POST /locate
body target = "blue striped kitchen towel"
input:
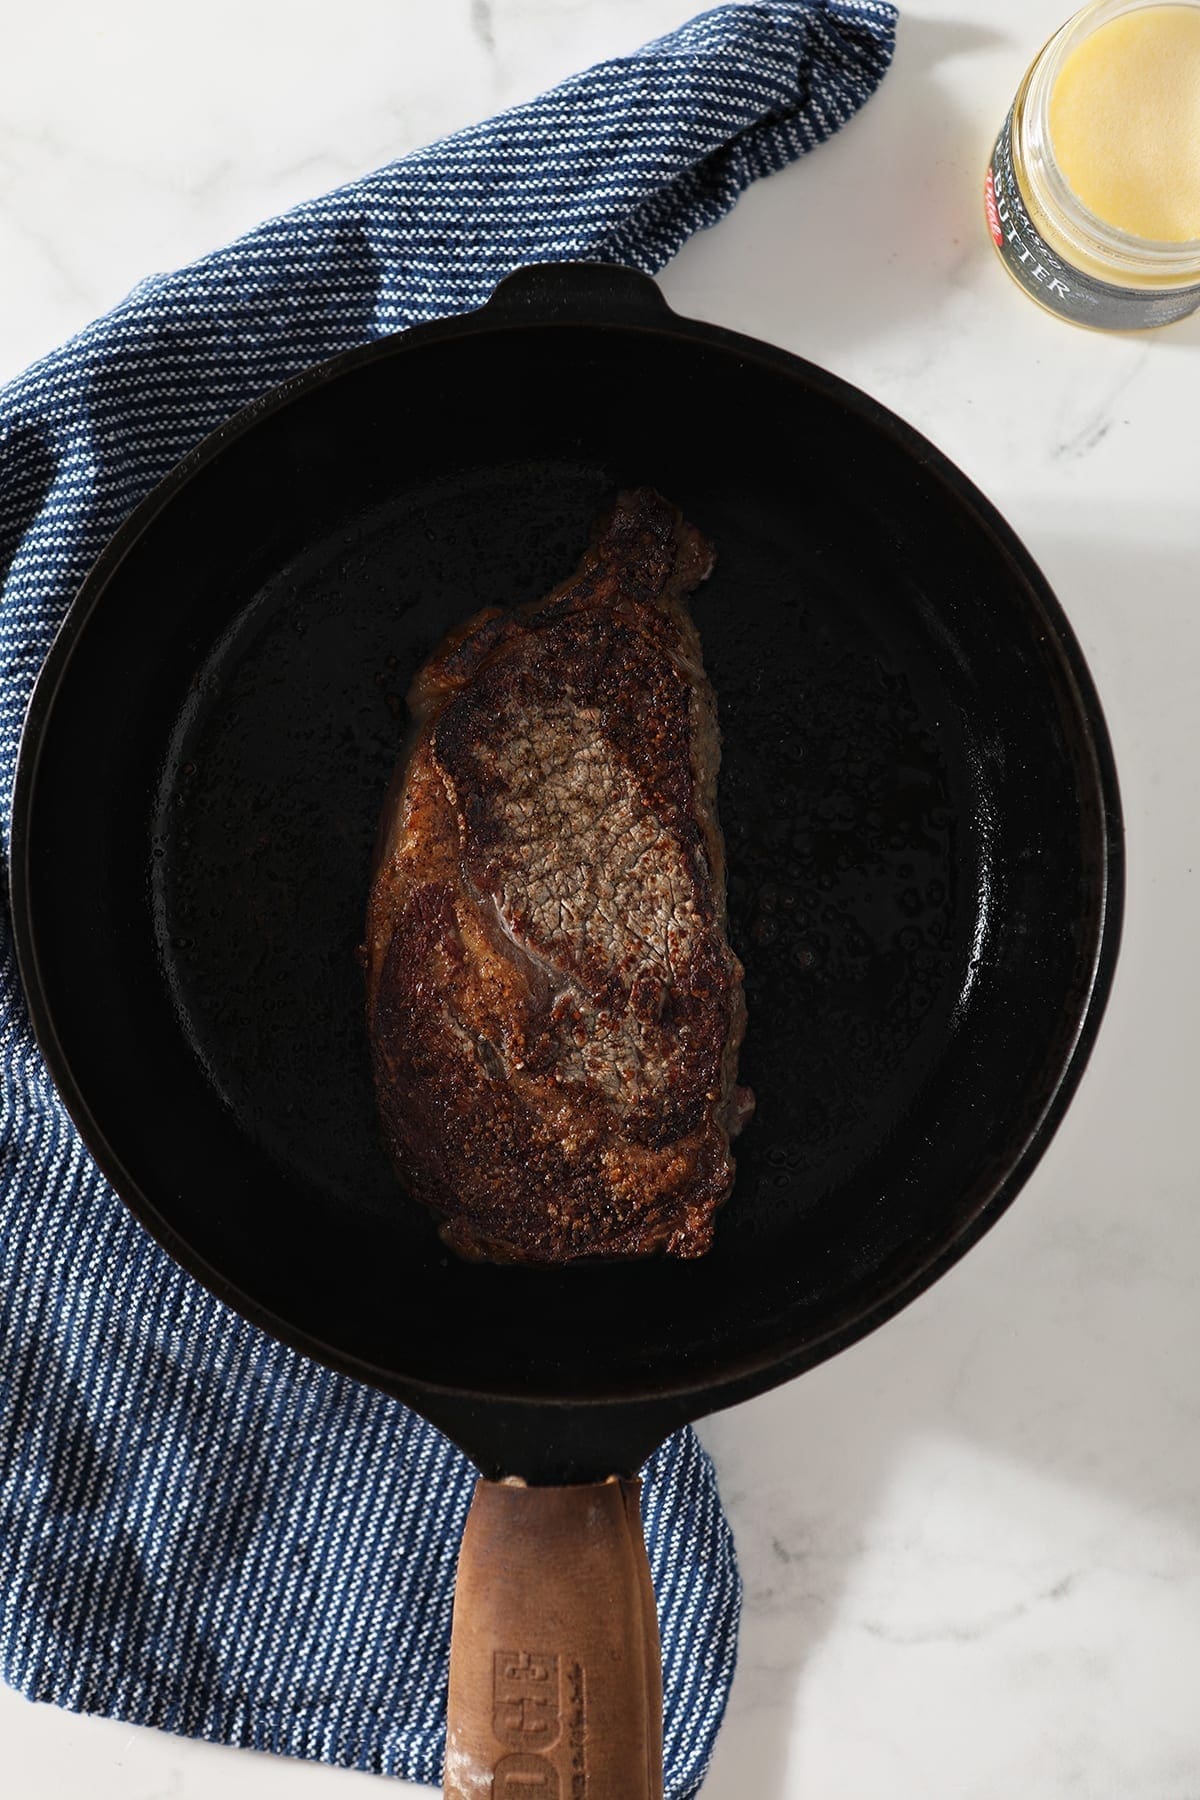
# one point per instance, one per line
(199, 1529)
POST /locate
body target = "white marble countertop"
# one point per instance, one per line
(972, 1543)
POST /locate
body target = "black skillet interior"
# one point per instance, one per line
(916, 793)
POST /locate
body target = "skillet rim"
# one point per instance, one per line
(558, 297)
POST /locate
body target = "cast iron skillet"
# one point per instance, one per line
(918, 798)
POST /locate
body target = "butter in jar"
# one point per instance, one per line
(1092, 194)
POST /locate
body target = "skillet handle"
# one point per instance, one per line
(578, 292)
(555, 1678)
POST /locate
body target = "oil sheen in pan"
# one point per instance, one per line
(853, 856)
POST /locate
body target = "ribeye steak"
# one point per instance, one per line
(553, 1009)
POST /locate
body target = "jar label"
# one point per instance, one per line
(993, 214)
(1059, 285)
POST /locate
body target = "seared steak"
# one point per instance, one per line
(554, 1011)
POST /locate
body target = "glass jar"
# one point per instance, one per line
(1060, 252)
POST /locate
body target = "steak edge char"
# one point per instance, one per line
(553, 1009)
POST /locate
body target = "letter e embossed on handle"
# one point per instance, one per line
(525, 1699)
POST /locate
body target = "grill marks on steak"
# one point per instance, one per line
(554, 1012)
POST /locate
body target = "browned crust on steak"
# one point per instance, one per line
(554, 1011)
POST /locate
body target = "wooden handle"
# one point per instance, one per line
(555, 1678)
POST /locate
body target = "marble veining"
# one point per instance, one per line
(482, 24)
